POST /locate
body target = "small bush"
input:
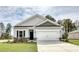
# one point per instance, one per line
(21, 40)
(65, 37)
(5, 36)
(60, 39)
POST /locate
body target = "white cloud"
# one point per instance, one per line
(16, 14)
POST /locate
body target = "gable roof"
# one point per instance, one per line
(48, 23)
(36, 20)
(32, 21)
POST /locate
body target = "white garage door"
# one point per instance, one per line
(47, 34)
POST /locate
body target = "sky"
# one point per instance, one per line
(15, 14)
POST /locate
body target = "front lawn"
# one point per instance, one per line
(18, 47)
(74, 41)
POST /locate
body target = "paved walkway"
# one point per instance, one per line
(5, 40)
(57, 46)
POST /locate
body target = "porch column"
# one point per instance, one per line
(23, 34)
(27, 33)
(34, 32)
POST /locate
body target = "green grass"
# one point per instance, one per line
(74, 41)
(18, 47)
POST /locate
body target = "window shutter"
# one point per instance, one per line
(24, 33)
(17, 33)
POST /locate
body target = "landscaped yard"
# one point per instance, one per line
(18, 47)
(74, 41)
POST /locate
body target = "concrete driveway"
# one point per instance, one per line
(56, 46)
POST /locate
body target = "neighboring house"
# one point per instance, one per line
(38, 27)
(74, 34)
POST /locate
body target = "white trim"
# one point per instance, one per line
(48, 21)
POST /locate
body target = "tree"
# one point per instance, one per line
(68, 26)
(76, 23)
(2, 29)
(74, 26)
(59, 22)
(8, 29)
(50, 17)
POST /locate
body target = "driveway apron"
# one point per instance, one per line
(56, 46)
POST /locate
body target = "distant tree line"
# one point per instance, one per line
(50, 17)
(5, 31)
(66, 23)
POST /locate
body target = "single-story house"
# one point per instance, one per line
(38, 27)
(74, 34)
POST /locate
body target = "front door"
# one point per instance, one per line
(31, 34)
(20, 34)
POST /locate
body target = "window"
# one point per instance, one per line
(31, 32)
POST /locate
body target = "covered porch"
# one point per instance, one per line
(24, 34)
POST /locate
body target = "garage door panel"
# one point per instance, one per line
(47, 35)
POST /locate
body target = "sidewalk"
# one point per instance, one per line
(5, 40)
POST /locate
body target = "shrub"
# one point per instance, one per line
(21, 40)
(5, 36)
(65, 37)
(60, 39)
